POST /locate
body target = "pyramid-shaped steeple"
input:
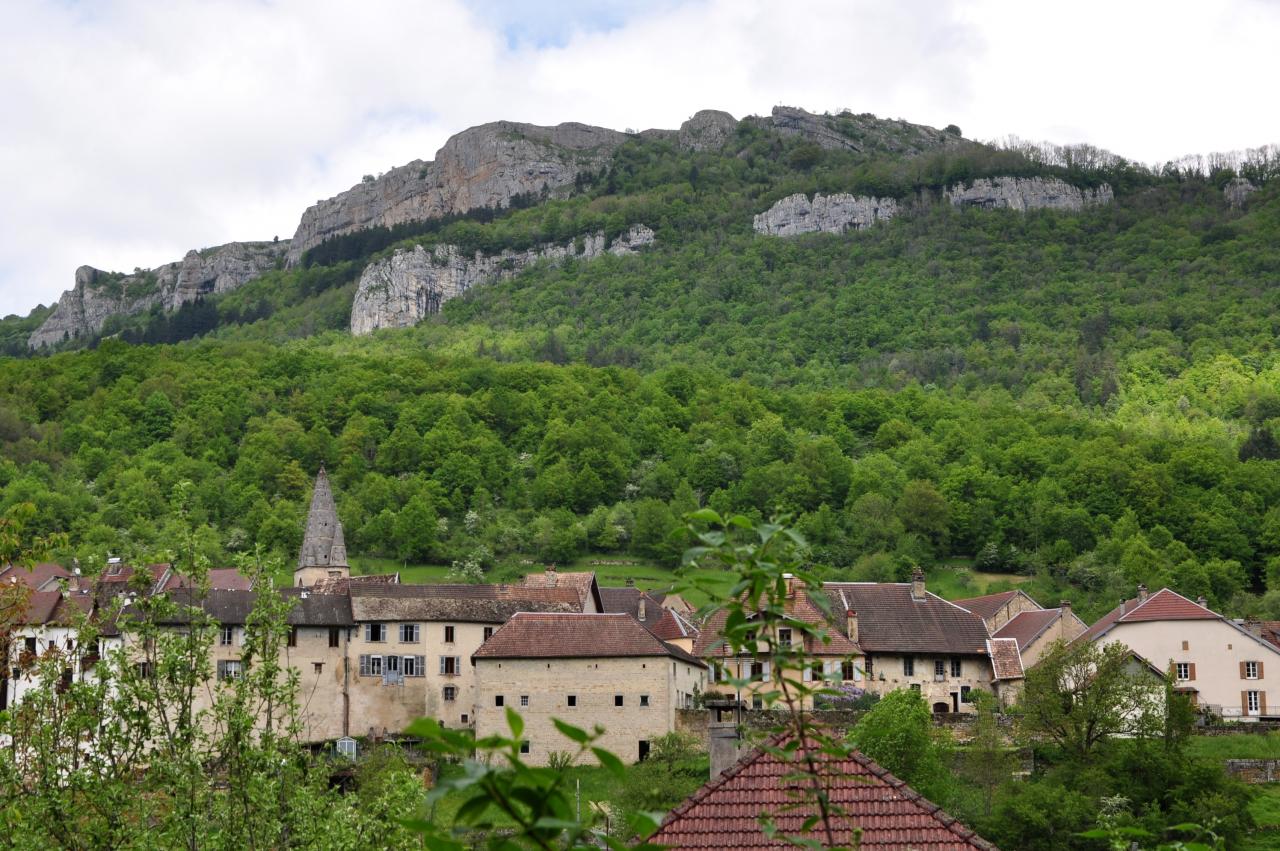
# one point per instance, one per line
(322, 543)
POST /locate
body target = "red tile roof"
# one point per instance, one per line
(891, 620)
(799, 607)
(531, 635)
(1026, 627)
(1164, 605)
(673, 625)
(584, 581)
(891, 815)
(35, 576)
(1006, 661)
(988, 605)
(39, 607)
(229, 579)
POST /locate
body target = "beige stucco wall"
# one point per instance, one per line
(547, 683)
(1217, 649)
(1062, 629)
(975, 672)
(740, 667)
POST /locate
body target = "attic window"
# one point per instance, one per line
(227, 635)
(572, 700)
(334, 636)
(488, 633)
(784, 637)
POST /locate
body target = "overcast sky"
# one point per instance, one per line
(134, 130)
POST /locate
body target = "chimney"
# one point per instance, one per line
(790, 579)
(640, 609)
(851, 621)
(1142, 593)
(1065, 605)
(1202, 602)
(917, 584)
(551, 575)
(724, 737)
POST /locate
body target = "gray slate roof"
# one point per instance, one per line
(890, 620)
(493, 604)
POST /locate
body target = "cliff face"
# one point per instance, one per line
(1033, 193)
(796, 214)
(97, 295)
(403, 289)
(864, 132)
(485, 166)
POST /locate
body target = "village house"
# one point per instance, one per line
(586, 670)
(44, 576)
(1222, 666)
(1015, 615)
(873, 809)
(665, 615)
(47, 627)
(996, 610)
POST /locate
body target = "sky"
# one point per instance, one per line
(132, 130)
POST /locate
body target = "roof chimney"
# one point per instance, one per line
(1142, 593)
(851, 621)
(1202, 602)
(1065, 605)
(551, 575)
(917, 584)
(640, 609)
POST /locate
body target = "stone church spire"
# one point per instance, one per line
(324, 552)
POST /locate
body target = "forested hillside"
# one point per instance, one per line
(1088, 398)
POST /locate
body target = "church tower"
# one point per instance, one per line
(324, 553)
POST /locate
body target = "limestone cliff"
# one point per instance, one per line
(408, 286)
(84, 309)
(862, 132)
(796, 214)
(1029, 193)
(1237, 192)
(486, 166)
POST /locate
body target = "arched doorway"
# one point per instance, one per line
(941, 708)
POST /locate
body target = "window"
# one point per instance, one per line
(965, 696)
(334, 635)
(750, 635)
(29, 644)
(145, 670)
(293, 636)
(644, 700)
(939, 668)
(226, 635)
(318, 667)
(1250, 670)
(784, 637)
(499, 700)
(908, 666)
(572, 700)
(1252, 703)
(846, 670)
(451, 694)
(757, 702)
(488, 633)
(870, 668)
(1183, 670)
(759, 670)
(370, 666)
(617, 700)
(915, 687)
(408, 633)
(524, 700)
(229, 669)
(412, 666)
(448, 635)
(524, 746)
(375, 632)
(644, 750)
(450, 666)
(464, 718)
(956, 668)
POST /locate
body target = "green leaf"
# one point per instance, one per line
(610, 762)
(515, 722)
(576, 734)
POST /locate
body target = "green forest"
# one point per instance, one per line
(1082, 401)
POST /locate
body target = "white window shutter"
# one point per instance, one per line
(441, 664)
(457, 665)
(808, 674)
(766, 670)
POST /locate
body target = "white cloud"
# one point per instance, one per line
(135, 130)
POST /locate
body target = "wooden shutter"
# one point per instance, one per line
(442, 658)
(1259, 669)
(1262, 703)
(1242, 670)
(1244, 703)
(364, 664)
(1191, 673)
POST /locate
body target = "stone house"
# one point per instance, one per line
(873, 808)
(672, 623)
(44, 576)
(998, 609)
(586, 670)
(1035, 631)
(912, 638)
(1223, 667)
(47, 626)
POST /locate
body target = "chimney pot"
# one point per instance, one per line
(640, 609)
(1202, 602)
(1065, 605)
(851, 621)
(1142, 593)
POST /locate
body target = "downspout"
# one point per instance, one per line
(346, 683)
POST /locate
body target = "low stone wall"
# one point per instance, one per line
(1236, 728)
(1254, 770)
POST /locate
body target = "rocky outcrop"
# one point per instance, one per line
(1237, 191)
(1027, 193)
(863, 132)
(408, 286)
(708, 130)
(98, 295)
(486, 166)
(796, 214)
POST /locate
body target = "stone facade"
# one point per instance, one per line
(945, 691)
(539, 689)
(403, 289)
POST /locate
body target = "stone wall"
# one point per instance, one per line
(1254, 770)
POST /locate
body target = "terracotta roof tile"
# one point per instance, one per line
(1026, 627)
(229, 579)
(1164, 605)
(1006, 661)
(584, 581)
(891, 815)
(35, 576)
(530, 635)
(891, 620)
(39, 607)
(799, 607)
